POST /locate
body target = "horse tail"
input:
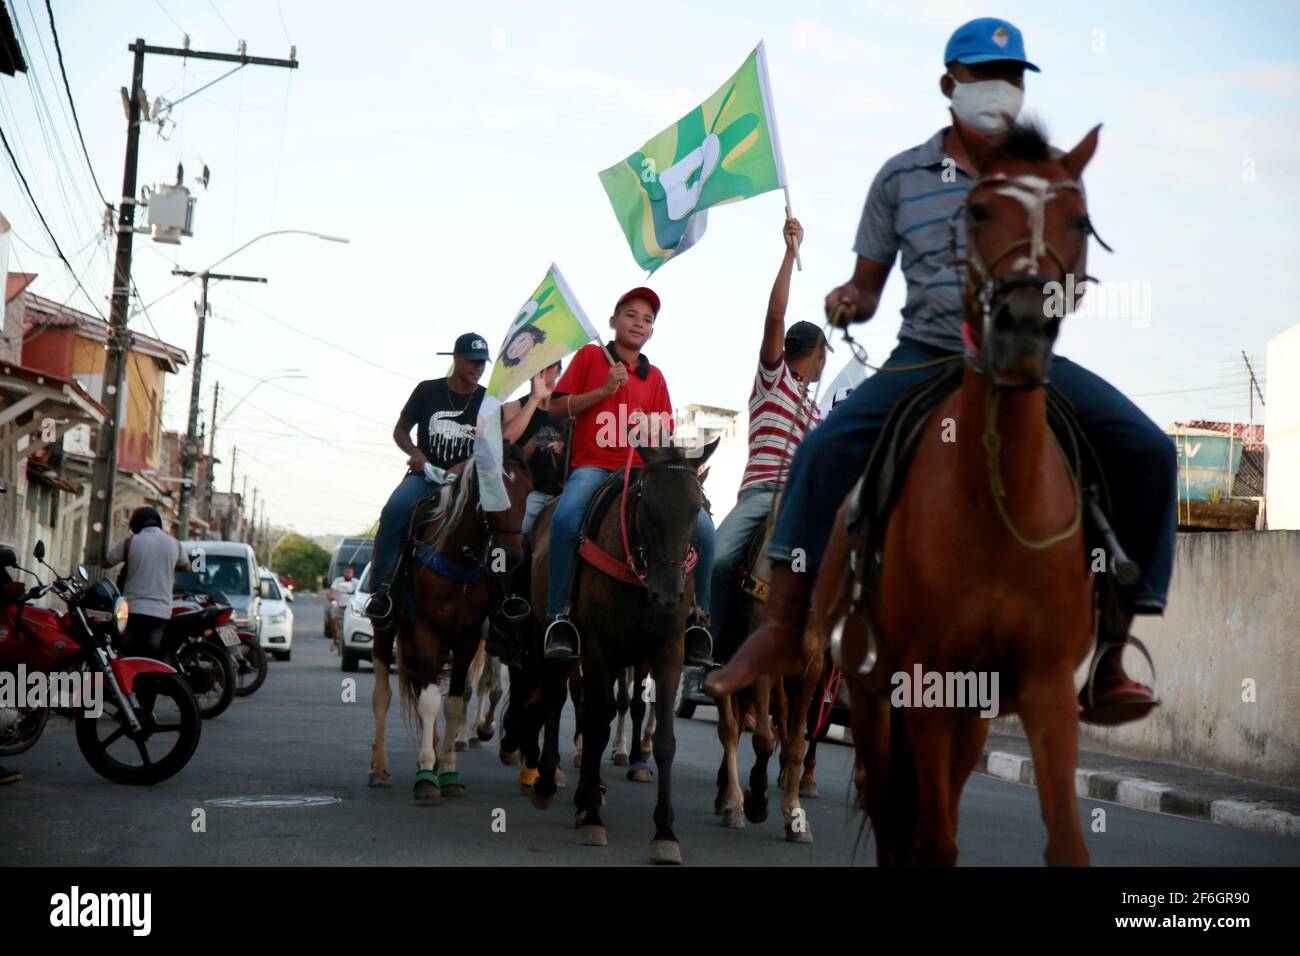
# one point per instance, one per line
(404, 664)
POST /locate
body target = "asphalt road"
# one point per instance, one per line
(296, 737)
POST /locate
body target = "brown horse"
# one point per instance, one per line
(622, 625)
(778, 709)
(457, 547)
(983, 569)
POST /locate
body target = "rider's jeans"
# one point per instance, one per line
(144, 636)
(1139, 460)
(750, 511)
(533, 505)
(566, 522)
(393, 522)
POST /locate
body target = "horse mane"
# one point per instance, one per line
(451, 505)
(1025, 140)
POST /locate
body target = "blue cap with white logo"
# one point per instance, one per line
(985, 40)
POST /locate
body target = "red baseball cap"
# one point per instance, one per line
(640, 292)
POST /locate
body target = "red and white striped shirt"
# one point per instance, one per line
(776, 422)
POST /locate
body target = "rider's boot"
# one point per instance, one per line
(561, 641)
(505, 640)
(776, 647)
(698, 641)
(1111, 697)
(379, 608)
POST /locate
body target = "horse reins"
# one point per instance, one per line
(630, 554)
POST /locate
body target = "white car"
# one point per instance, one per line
(276, 632)
(357, 637)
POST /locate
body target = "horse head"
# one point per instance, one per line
(667, 510)
(1026, 227)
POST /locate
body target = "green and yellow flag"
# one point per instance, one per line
(724, 150)
(549, 326)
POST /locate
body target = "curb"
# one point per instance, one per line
(1143, 794)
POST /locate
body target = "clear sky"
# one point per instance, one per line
(457, 146)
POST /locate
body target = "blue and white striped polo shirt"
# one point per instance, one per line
(907, 212)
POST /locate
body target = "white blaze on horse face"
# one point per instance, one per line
(1032, 192)
(427, 707)
(680, 197)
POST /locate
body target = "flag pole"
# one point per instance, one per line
(789, 215)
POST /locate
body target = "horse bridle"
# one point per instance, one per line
(1034, 192)
(638, 553)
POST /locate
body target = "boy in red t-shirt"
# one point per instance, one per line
(603, 400)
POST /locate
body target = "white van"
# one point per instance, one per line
(231, 568)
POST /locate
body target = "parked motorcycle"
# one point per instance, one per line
(247, 656)
(147, 725)
(197, 643)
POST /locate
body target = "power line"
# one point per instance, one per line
(72, 103)
(48, 230)
(351, 353)
(310, 398)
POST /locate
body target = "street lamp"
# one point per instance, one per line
(278, 374)
(197, 378)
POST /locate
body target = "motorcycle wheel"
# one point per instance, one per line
(250, 667)
(210, 672)
(170, 726)
(30, 727)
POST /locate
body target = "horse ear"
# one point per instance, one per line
(703, 454)
(1079, 157)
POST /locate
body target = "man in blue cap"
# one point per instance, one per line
(444, 413)
(909, 206)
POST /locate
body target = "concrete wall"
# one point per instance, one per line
(1233, 615)
(1282, 430)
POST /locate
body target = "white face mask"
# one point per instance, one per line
(981, 105)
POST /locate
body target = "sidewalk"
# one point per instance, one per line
(1160, 787)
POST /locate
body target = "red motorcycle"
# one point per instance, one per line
(137, 721)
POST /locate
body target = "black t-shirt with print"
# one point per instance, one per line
(546, 467)
(444, 421)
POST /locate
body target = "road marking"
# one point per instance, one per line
(273, 802)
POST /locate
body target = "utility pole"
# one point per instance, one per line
(192, 449)
(210, 487)
(234, 456)
(104, 475)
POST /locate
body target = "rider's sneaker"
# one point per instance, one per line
(380, 605)
(1115, 697)
(698, 641)
(561, 641)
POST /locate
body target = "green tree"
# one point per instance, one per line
(302, 559)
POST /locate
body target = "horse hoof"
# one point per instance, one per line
(380, 778)
(541, 802)
(560, 779)
(755, 808)
(719, 805)
(577, 760)
(508, 757)
(641, 774)
(733, 818)
(808, 789)
(592, 835)
(665, 851)
(802, 835)
(474, 743)
(620, 759)
(451, 784)
(426, 793)
(462, 746)
(485, 733)
(527, 777)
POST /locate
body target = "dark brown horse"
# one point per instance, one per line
(457, 547)
(983, 570)
(622, 625)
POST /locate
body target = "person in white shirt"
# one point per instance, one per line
(340, 593)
